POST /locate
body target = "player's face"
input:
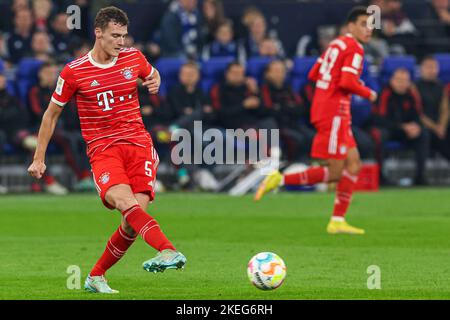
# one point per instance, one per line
(429, 69)
(360, 29)
(48, 76)
(235, 75)
(189, 76)
(277, 73)
(401, 82)
(224, 34)
(112, 39)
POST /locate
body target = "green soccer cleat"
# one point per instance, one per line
(166, 259)
(98, 284)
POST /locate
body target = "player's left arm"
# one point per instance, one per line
(350, 80)
(313, 74)
(153, 81)
(149, 74)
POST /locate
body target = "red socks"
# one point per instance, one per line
(147, 227)
(116, 247)
(344, 191)
(312, 175)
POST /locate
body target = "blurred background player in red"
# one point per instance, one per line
(121, 152)
(337, 76)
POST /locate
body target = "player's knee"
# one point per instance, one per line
(334, 175)
(123, 203)
(120, 199)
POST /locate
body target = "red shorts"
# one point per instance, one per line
(333, 139)
(125, 164)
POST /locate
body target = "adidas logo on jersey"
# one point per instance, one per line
(94, 83)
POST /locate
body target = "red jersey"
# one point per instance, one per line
(336, 74)
(107, 98)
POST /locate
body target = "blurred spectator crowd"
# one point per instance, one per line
(231, 73)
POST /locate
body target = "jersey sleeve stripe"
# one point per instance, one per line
(349, 69)
(59, 103)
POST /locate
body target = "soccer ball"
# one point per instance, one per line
(266, 271)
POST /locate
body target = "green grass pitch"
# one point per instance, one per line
(407, 236)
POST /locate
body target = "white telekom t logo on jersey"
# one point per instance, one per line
(107, 98)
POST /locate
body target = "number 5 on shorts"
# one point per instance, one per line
(148, 168)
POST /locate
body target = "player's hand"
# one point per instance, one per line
(207, 109)
(37, 169)
(153, 83)
(412, 129)
(251, 103)
(252, 85)
(440, 132)
(373, 96)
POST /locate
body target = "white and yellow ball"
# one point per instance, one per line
(266, 270)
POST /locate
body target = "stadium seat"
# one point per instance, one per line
(27, 76)
(444, 66)
(393, 145)
(369, 78)
(213, 70)
(390, 64)
(361, 110)
(168, 68)
(256, 65)
(10, 82)
(299, 75)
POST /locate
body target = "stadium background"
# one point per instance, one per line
(298, 26)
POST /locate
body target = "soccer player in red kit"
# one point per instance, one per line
(120, 150)
(337, 76)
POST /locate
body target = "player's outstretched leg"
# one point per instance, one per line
(168, 257)
(310, 176)
(344, 192)
(121, 197)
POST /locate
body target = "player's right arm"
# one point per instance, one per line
(350, 80)
(65, 88)
(48, 124)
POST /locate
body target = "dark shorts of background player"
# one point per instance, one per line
(128, 164)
